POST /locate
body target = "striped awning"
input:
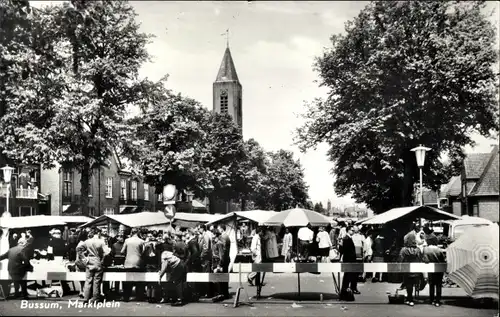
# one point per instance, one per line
(473, 261)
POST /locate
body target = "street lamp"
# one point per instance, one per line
(7, 175)
(420, 156)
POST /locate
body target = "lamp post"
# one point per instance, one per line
(7, 175)
(420, 156)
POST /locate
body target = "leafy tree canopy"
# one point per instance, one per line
(404, 73)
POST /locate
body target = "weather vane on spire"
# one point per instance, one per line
(227, 37)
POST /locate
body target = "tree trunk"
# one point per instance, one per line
(408, 178)
(243, 204)
(85, 174)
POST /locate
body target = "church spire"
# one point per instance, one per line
(227, 71)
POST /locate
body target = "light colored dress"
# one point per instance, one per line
(287, 244)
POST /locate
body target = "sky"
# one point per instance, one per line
(273, 45)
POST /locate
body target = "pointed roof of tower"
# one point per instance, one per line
(227, 71)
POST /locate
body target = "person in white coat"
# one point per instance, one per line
(324, 244)
(286, 250)
(256, 249)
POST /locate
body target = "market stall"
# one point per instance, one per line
(190, 220)
(115, 223)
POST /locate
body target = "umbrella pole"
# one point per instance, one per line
(298, 284)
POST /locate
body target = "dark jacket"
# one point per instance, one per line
(194, 252)
(379, 247)
(18, 262)
(58, 246)
(348, 250)
(181, 250)
(433, 254)
(410, 255)
(224, 252)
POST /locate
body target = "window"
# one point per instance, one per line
(160, 197)
(91, 190)
(133, 193)
(25, 211)
(224, 104)
(123, 189)
(67, 190)
(109, 187)
(146, 192)
(67, 185)
(92, 211)
(109, 211)
(67, 175)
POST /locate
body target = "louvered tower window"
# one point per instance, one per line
(224, 104)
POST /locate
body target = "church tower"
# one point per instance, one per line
(227, 90)
(227, 98)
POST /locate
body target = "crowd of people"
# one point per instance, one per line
(174, 253)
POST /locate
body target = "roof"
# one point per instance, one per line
(453, 188)
(427, 212)
(31, 222)
(141, 219)
(474, 164)
(198, 205)
(429, 197)
(195, 217)
(227, 71)
(257, 216)
(487, 185)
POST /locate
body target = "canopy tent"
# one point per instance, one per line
(425, 212)
(141, 219)
(362, 221)
(74, 219)
(298, 217)
(36, 221)
(467, 220)
(256, 216)
(189, 220)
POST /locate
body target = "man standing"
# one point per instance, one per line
(358, 238)
(306, 236)
(434, 254)
(368, 251)
(133, 249)
(348, 252)
(256, 250)
(94, 266)
(17, 267)
(205, 243)
(225, 259)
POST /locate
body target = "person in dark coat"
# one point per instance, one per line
(348, 251)
(181, 249)
(434, 254)
(225, 259)
(17, 267)
(410, 253)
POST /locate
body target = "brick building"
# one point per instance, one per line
(114, 189)
(476, 191)
(25, 198)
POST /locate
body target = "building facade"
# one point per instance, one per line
(475, 191)
(25, 198)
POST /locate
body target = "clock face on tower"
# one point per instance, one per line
(223, 93)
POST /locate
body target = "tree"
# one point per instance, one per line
(283, 185)
(255, 166)
(405, 73)
(90, 53)
(172, 139)
(318, 207)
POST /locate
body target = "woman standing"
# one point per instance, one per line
(324, 244)
(410, 253)
(286, 250)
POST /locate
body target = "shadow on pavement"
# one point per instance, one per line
(467, 302)
(304, 296)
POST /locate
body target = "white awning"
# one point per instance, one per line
(141, 219)
(31, 222)
(425, 212)
(257, 216)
